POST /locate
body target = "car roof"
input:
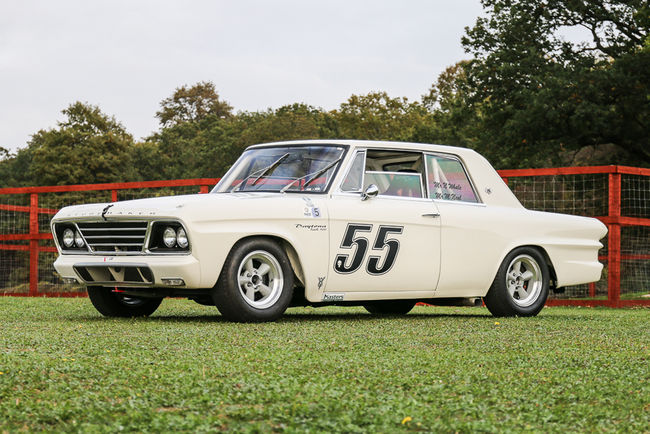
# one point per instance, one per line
(372, 143)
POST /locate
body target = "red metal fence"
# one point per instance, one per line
(618, 196)
(25, 237)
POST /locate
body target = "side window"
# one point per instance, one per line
(395, 173)
(447, 180)
(396, 183)
(352, 181)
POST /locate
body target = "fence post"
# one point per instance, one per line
(614, 240)
(33, 244)
(113, 195)
(592, 289)
(204, 189)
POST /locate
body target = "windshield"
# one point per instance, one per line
(283, 168)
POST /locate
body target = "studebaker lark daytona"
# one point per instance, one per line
(378, 224)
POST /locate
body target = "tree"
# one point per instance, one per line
(195, 136)
(377, 116)
(87, 147)
(148, 161)
(542, 97)
(6, 172)
(208, 147)
(192, 104)
(454, 115)
(14, 168)
(193, 149)
(290, 122)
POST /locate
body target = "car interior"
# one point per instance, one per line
(396, 173)
(404, 174)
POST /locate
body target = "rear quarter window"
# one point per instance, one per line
(447, 180)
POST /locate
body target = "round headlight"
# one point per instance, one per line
(169, 237)
(68, 237)
(181, 238)
(78, 240)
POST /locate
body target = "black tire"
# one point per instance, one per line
(240, 295)
(114, 304)
(511, 293)
(389, 307)
(204, 301)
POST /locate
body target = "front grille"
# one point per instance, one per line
(114, 237)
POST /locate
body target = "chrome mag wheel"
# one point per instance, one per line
(260, 279)
(524, 280)
(256, 282)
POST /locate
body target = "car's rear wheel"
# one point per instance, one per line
(256, 282)
(520, 287)
(114, 304)
(389, 307)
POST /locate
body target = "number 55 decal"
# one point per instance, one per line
(373, 266)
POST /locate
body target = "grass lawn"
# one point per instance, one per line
(65, 368)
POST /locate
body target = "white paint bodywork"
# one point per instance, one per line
(455, 254)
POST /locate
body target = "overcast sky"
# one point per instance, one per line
(126, 56)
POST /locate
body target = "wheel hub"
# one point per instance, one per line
(260, 279)
(524, 281)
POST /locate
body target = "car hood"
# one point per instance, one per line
(198, 207)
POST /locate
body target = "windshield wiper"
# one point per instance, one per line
(262, 173)
(314, 175)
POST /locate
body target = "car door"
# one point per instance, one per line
(386, 246)
(468, 239)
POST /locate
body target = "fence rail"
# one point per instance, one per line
(627, 191)
(36, 236)
(617, 195)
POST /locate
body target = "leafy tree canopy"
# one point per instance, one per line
(377, 116)
(191, 149)
(454, 117)
(4, 153)
(539, 94)
(87, 147)
(192, 104)
(14, 168)
(290, 122)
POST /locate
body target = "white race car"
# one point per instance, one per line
(378, 224)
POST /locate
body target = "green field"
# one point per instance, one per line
(65, 368)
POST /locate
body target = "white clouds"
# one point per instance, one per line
(126, 56)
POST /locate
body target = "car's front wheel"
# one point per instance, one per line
(389, 307)
(114, 304)
(256, 282)
(520, 287)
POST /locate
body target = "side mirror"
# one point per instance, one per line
(371, 191)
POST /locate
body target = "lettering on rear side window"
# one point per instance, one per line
(447, 180)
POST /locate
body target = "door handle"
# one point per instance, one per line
(434, 215)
